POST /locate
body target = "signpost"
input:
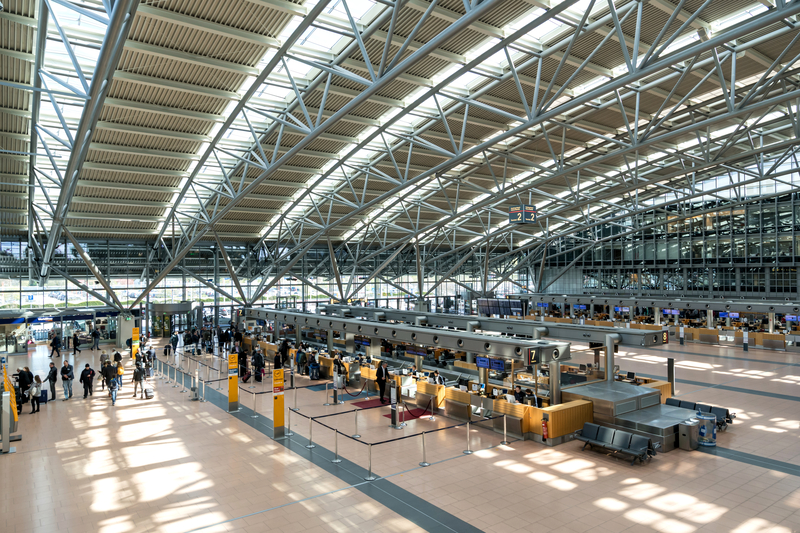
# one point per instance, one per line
(233, 382)
(277, 394)
(135, 342)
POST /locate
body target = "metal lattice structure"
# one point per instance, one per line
(382, 131)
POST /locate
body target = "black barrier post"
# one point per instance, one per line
(671, 374)
(336, 447)
(424, 455)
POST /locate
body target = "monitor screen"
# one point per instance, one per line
(724, 315)
(495, 392)
(667, 311)
(626, 309)
(617, 309)
(482, 362)
(733, 315)
(583, 368)
(631, 375)
(504, 391)
(792, 318)
(498, 365)
(463, 388)
(678, 311)
(475, 387)
(483, 386)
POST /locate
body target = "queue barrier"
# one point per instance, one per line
(355, 437)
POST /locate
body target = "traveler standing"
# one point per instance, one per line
(87, 378)
(138, 379)
(284, 353)
(95, 339)
(25, 380)
(55, 344)
(66, 379)
(52, 376)
(174, 342)
(33, 393)
(76, 341)
(380, 376)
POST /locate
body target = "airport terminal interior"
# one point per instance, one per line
(399, 266)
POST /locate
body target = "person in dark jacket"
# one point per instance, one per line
(238, 336)
(52, 377)
(138, 379)
(67, 376)
(87, 378)
(109, 374)
(76, 341)
(55, 344)
(117, 357)
(95, 339)
(25, 379)
(284, 352)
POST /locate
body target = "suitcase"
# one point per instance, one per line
(149, 393)
(258, 377)
(43, 396)
(246, 377)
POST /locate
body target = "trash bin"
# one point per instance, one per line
(708, 429)
(688, 434)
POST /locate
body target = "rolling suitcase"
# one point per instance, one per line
(258, 376)
(149, 393)
(246, 377)
(43, 396)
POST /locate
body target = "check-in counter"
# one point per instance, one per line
(326, 368)
(774, 341)
(429, 392)
(522, 420)
(705, 335)
(465, 365)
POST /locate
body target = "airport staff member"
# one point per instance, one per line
(437, 379)
(519, 396)
(381, 376)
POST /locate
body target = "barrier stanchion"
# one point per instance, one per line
(356, 435)
(219, 376)
(175, 378)
(255, 414)
(336, 447)
(403, 422)
(370, 477)
(183, 382)
(288, 432)
(327, 403)
(505, 436)
(468, 451)
(310, 434)
(203, 397)
(295, 400)
(424, 455)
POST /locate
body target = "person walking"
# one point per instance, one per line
(76, 341)
(174, 342)
(138, 380)
(87, 378)
(109, 374)
(33, 392)
(120, 373)
(112, 387)
(52, 377)
(95, 339)
(67, 376)
(55, 344)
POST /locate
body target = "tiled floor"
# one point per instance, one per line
(172, 465)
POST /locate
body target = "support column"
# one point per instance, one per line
(710, 319)
(216, 283)
(470, 328)
(146, 317)
(657, 315)
(772, 322)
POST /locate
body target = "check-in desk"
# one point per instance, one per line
(522, 420)
(774, 341)
(326, 369)
(427, 392)
(663, 386)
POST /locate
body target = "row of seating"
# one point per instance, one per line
(724, 416)
(617, 442)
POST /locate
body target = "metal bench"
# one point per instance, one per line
(618, 442)
(724, 416)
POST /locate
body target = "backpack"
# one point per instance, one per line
(120, 370)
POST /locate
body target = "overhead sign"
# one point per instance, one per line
(522, 214)
(482, 362)
(498, 365)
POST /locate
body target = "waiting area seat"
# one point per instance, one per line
(617, 441)
(724, 416)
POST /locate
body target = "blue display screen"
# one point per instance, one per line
(482, 362)
(498, 365)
